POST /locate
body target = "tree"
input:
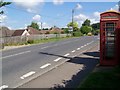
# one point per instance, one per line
(3, 4)
(95, 28)
(85, 29)
(86, 23)
(74, 25)
(34, 25)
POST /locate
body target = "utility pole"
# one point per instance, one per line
(72, 20)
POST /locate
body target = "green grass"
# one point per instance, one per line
(39, 41)
(102, 79)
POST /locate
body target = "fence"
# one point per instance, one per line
(23, 39)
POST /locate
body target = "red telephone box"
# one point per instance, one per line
(110, 38)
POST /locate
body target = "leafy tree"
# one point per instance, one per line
(86, 23)
(74, 25)
(66, 30)
(85, 29)
(95, 28)
(3, 4)
(34, 25)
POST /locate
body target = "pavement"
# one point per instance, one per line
(24, 64)
(68, 75)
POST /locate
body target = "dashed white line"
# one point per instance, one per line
(3, 87)
(85, 45)
(81, 46)
(73, 51)
(57, 59)
(16, 54)
(27, 75)
(78, 48)
(67, 54)
(46, 65)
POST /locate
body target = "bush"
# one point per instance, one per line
(77, 34)
(30, 41)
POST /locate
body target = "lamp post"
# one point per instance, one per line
(73, 18)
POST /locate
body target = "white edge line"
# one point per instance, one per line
(57, 59)
(67, 54)
(3, 87)
(46, 65)
(27, 75)
(16, 54)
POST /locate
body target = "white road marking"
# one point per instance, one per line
(57, 59)
(46, 65)
(73, 51)
(27, 75)
(78, 48)
(3, 87)
(81, 46)
(16, 54)
(85, 45)
(67, 54)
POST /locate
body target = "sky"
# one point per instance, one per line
(51, 13)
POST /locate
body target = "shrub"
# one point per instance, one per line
(30, 41)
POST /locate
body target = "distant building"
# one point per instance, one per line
(21, 32)
(6, 32)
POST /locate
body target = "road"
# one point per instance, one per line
(24, 64)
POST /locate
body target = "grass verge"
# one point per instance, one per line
(102, 79)
(39, 41)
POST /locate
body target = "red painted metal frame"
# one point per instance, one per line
(113, 17)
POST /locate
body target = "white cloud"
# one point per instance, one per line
(115, 8)
(3, 18)
(78, 6)
(80, 17)
(36, 18)
(29, 5)
(58, 2)
(96, 15)
(44, 25)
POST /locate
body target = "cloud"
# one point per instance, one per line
(96, 15)
(115, 8)
(58, 2)
(3, 18)
(29, 5)
(44, 25)
(36, 18)
(80, 17)
(78, 6)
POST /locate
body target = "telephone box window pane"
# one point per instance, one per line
(110, 40)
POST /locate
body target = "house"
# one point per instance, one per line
(6, 32)
(56, 30)
(33, 31)
(21, 32)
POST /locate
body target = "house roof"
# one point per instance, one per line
(32, 31)
(18, 32)
(5, 32)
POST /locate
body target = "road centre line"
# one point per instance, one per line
(27, 75)
(73, 51)
(78, 48)
(16, 54)
(46, 65)
(3, 87)
(67, 54)
(57, 59)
